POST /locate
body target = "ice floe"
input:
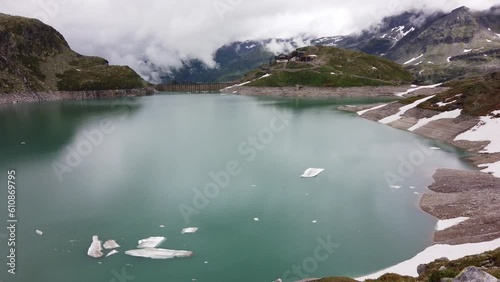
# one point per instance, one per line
(110, 244)
(395, 187)
(190, 230)
(413, 89)
(151, 242)
(256, 219)
(113, 252)
(403, 110)
(153, 253)
(360, 113)
(95, 249)
(445, 224)
(312, 172)
(162, 226)
(39, 232)
(432, 253)
(445, 115)
(413, 59)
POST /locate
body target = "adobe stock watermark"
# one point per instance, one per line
(48, 9)
(121, 276)
(305, 269)
(409, 164)
(221, 7)
(87, 141)
(249, 150)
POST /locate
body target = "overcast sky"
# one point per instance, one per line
(168, 31)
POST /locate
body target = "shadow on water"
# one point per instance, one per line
(47, 127)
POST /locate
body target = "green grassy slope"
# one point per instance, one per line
(35, 57)
(334, 67)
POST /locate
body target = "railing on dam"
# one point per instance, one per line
(193, 88)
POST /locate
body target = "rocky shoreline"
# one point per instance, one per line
(16, 98)
(455, 193)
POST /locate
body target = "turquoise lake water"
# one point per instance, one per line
(120, 169)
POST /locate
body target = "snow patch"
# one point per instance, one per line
(413, 89)
(414, 59)
(488, 129)
(467, 50)
(445, 115)
(441, 104)
(432, 253)
(360, 113)
(403, 110)
(449, 59)
(493, 168)
(395, 187)
(445, 224)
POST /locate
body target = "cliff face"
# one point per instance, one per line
(34, 57)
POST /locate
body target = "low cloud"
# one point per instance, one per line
(167, 32)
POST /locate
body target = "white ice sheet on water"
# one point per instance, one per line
(312, 172)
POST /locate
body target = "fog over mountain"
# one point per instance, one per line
(168, 32)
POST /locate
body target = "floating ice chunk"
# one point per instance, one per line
(315, 221)
(39, 232)
(254, 185)
(162, 226)
(395, 187)
(189, 230)
(95, 249)
(413, 187)
(154, 253)
(445, 224)
(312, 172)
(206, 262)
(23, 143)
(435, 148)
(151, 242)
(256, 219)
(110, 244)
(113, 252)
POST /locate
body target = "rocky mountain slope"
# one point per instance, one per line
(434, 46)
(34, 57)
(333, 67)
